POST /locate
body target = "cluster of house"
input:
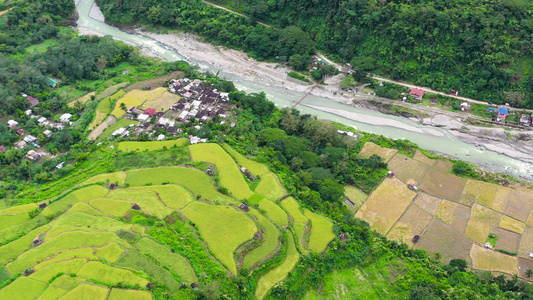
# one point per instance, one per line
(201, 101)
(526, 119)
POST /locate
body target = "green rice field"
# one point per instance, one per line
(173, 196)
(274, 212)
(116, 177)
(146, 200)
(321, 232)
(111, 252)
(87, 292)
(270, 187)
(115, 208)
(270, 244)
(150, 146)
(257, 169)
(293, 208)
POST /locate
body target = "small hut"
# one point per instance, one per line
(257, 236)
(343, 237)
(244, 207)
(112, 186)
(29, 271)
(135, 206)
(416, 238)
(390, 174)
(149, 286)
(37, 242)
(210, 172)
(42, 205)
(194, 286)
(412, 187)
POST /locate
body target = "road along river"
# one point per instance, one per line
(319, 104)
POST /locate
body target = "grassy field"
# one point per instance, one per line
(278, 274)
(321, 232)
(128, 101)
(120, 123)
(270, 243)
(114, 177)
(120, 294)
(223, 229)
(81, 195)
(99, 271)
(115, 208)
(13, 210)
(413, 222)
(87, 292)
(81, 99)
(512, 225)
(12, 220)
(479, 192)
(301, 243)
(370, 149)
(196, 181)
(443, 185)
(162, 102)
(23, 288)
(230, 175)
(270, 187)
(85, 208)
(147, 200)
(386, 204)
(407, 169)
(67, 267)
(254, 167)
(173, 196)
(111, 252)
(150, 146)
(174, 262)
(274, 212)
(87, 253)
(112, 90)
(293, 208)
(356, 196)
(484, 259)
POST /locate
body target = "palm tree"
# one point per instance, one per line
(438, 256)
(529, 273)
(123, 106)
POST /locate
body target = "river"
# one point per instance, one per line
(427, 137)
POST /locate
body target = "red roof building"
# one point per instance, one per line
(417, 93)
(32, 100)
(150, 111)
(2, 148)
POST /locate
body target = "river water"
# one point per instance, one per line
(427, 137)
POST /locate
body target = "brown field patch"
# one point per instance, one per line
(424, 159)
(500, 198)
(110, 91)
(477, 231)
(154, 83)
(445, 211)
(444, 165)
(100, 128)
(507, 240)
(407, 169)
(162, 102)
(427, 202)
(519, 204)
(523, 265)
(413, 222)
(485, 259)
(386, 204)
(446, 240)
(529, 220)
(460, 217)
(81, 99)
(370, 149)
(526, 243)
(442, 185)
(512, 225)
(486, 215)
(479, 192)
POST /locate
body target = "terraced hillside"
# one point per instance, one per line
(165, 232)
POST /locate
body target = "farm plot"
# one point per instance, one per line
(271, 242)
(386, 204)
(512, 224)
(104, 108)
(274, 212)
(23, 288)
(146, 200)
(162, 102)
(81, 99)
(443, 185)
(82, 195)
(444, 165)
(407, 169)
(115, 208)
(136, 98)
(111, 252)
(477, 231)
(120, 294)
(85, 208)
(370, 149)
(67, 267)
(485, 259)
(87, 292)
(356, 196)
(270, 187)
(230, 175)
(87, 253)
(500, 198)
(16, 247)
(526, 242)
(154, 83)
(222, 227)
(99, 271)
(299, 231)
(196, 181)
(150, 146)
(519, 204)
(254, 167)
(444, 239)
(507, 240)
(112, 90)
(486, 215)
(13, 210)
(460, 217)
(101, 128)
(293, 208)
(523, 265)
(12, 220)
(173, 196)
(412, 223)
(479, 192)
(321, 232)
(174, 262)
(424, 159)
(128, 101)
(59, 287)
(77, 219)
(428, 203)
(278, 274)
(120, 123)
(115, 177)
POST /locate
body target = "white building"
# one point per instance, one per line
(65, 118)
(12, 123)
(119, 131)
(164, 121)
(48, 133)
(41, 120)
(161, 137)
(143, 117)
(183, 115)
(28, 112)
(30, 139)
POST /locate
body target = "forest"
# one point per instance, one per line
(480, 48)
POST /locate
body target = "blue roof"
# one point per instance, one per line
(503, 111)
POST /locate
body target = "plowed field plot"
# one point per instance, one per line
(523, 265)
(512, 225)
(479, 192)
(477, 231)
(370, 149)
(443, 185)
(444, 165)
(412, 223)
(484, 259)
(446, 240)
(424, 159)
(519, 204)
(526, 243)
(408, 170)
(427, 202)
(386, 204)
(507, 240)
(486, 215)
(460, 217)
